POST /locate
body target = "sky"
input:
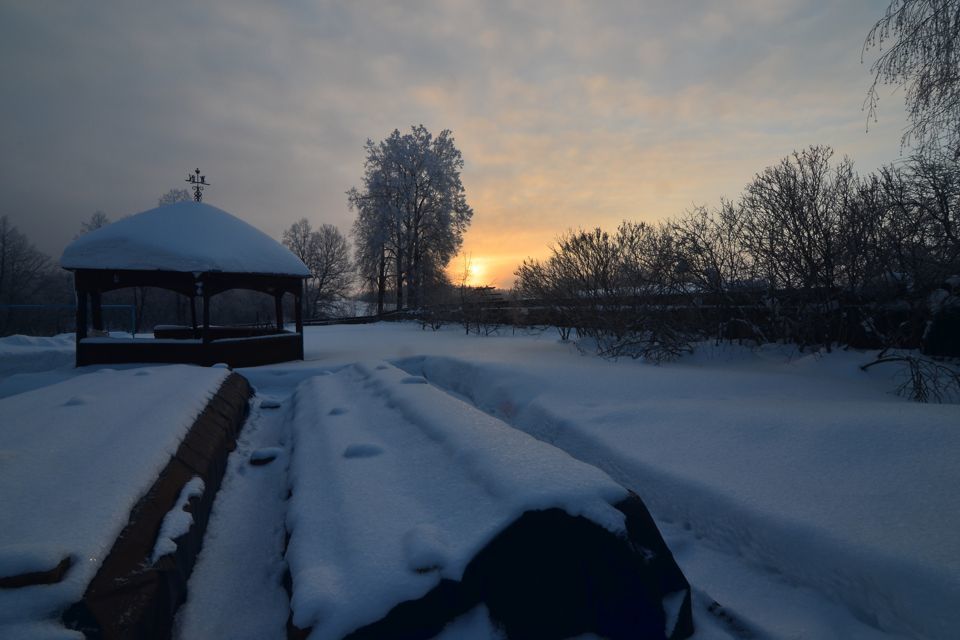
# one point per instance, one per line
(568, 114)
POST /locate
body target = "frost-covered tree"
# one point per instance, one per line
(173, 196)
(919, 42)
(373, 259)
(412, 209)
(326, 253)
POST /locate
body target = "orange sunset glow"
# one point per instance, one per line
(567, 114)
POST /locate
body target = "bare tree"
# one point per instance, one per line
(298, 238)
(794, 216)
(22, 266)
(326, 254)
(610, 288)
(710, 243)
(22, 270)
(97, 220)
(331, 270)
(923, 56)
(174, 196)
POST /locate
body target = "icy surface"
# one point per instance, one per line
(184, 237)
(178, 520)
(430, 482)
(74, 458)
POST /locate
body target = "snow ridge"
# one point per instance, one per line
(107, 434)
(827, 514)
(437, 481)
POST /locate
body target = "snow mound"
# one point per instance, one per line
(367, 533)
(72, 472)
(185, 237)
(26, 354)
(791, 467)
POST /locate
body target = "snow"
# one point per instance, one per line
(236, 589)
(799, 466)
(473, 625)
(76, 456)
(184, 237)
(794, 489)
(178, 520)
(26, 354)
(853, 498)
(396, 485)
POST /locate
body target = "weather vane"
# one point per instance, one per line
(199, 182)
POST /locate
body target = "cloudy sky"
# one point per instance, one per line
(568, 114)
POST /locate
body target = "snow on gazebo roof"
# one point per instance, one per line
(184, 237)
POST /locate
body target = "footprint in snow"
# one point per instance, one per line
(263, 456)
(414, 380)
(362, 450)
(336, 411)
(76, 401)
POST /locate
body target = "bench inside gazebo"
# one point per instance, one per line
(198, 251)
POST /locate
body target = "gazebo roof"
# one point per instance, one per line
(182, 237)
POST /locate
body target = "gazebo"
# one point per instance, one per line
(198, 251)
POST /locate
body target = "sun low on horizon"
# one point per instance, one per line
(474, 271)
(568, 115)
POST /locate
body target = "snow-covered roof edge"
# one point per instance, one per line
(182, 237)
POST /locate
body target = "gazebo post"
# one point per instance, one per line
(278, 303)
(298, 311)
(81, 314)
(96, 310)
(206, 317)
(193, 316)
(298, 314)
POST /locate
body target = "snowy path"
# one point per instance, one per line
(397, 485)
(236, 589)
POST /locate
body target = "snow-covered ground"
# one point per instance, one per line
(794, 489)
(75, 457)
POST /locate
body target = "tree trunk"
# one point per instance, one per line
(399, 281)
(381, 283)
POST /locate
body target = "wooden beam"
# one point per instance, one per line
(206, 317)
(193, 316)
(298, 311)
(96, 310)
(81, 314)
